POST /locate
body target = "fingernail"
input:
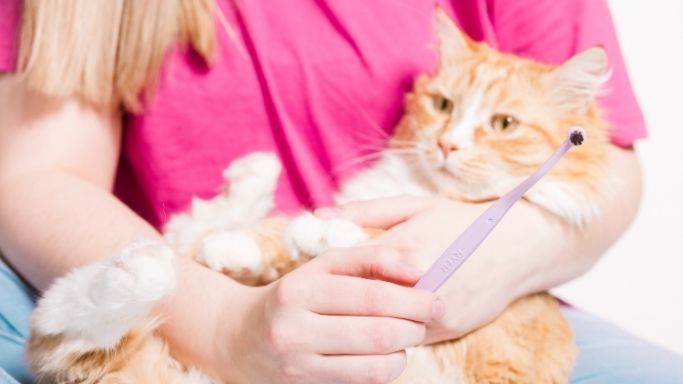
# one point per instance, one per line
(438, 309)
(328, 212)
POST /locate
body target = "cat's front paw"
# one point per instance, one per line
(232, 252)
(309, 236)
(141, 273)
(101, 302)
(256, 173)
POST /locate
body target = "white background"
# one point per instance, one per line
(639, 283)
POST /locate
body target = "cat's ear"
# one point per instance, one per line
(453, 43)
(577, 82)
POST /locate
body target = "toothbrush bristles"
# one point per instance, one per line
(576, 138)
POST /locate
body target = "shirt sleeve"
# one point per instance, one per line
(10, 14)
(554, 30)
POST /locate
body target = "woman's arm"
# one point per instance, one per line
(567, 252)
(57, 165)
(530, 251)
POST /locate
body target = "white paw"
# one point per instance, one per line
(234, 253)
(251, 182)
(257, 169)
(101, 302)
(142, 273)
(309, 236)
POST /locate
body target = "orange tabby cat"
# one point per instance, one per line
(471, 131)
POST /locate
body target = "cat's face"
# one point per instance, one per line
(485, 119)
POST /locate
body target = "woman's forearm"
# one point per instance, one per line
(565, 252)
(58, 160)
(533, 250)
(51, 222)
(530, 251)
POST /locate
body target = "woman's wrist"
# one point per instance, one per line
(235, 334)
(527, 248)
(202, 317)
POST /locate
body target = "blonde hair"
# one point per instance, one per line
(108, 51)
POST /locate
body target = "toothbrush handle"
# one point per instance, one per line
(456, 254)
(468, 241)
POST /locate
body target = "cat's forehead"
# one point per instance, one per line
(488, 72)
(480, 70)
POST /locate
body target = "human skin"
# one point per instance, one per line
(57, 165)
(530, 251)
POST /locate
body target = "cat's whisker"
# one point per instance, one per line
(397, 151)
(406, 143)
(404, 152)
(356, 161)
(371, 148)
(371, 123)
(362, 135)
(381, 140)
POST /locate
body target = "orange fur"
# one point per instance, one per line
(268, 234)
(530, 342)
(511, 85)
(140, 357)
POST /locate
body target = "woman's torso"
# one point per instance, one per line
(318, 82)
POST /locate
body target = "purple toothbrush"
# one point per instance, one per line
(468, 241)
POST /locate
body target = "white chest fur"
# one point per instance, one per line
(390, 176)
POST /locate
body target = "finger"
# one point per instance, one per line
(344, 295)
(358, 335)
(378, 213)
(359, 369)
(371, 262)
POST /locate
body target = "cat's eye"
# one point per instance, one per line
(503, 123)
(443, 104)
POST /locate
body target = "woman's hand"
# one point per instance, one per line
(422, 228)
(344, 317)
(531, 250)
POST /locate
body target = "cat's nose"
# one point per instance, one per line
(447, 146)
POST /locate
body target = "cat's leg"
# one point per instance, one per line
(102, 302)
(252, 181)
(252, 255)
(308, 235)
(264, 251)
(248, 197)
(91, 321)
(235, 253)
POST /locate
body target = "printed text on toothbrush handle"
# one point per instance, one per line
(453, 260)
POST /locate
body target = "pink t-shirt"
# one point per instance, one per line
(320, 82)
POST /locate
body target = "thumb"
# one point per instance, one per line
(381, 213)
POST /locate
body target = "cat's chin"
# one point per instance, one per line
(469, 199)
(447, 183)
(452, 187)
